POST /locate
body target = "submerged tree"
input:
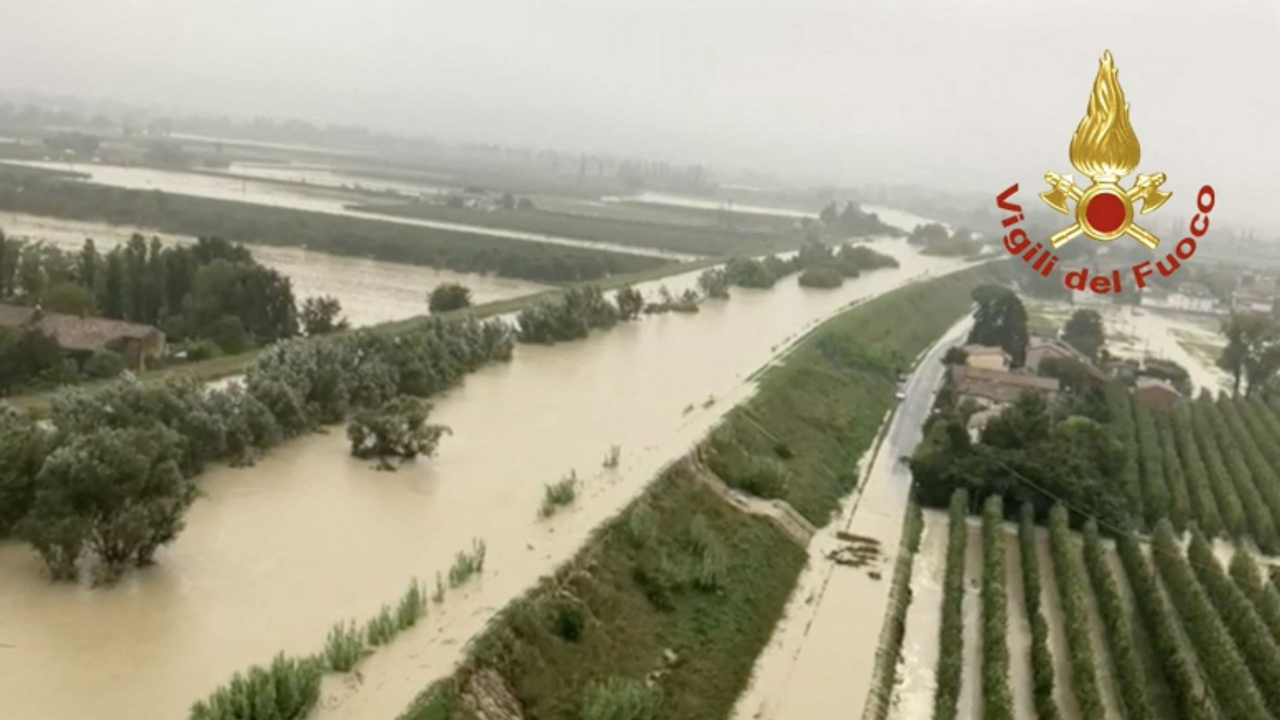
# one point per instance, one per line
(114, 495)
(321, 315)
(397, 429)
(630, 302)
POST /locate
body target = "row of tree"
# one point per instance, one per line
(1075, 616)
(1042, 667)
(997, 700)
(1126, 667)
(108, 478)
(951, 631)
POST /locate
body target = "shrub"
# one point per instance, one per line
(467, 564)
(288, 688)
(1131, 682)
(996, 698)
(1220, 659)
(558, 494)
(381, 627)
(714, 283)
(413, 605)
(1042, 667)
(397, 429)
(1175, 660)
(344, 647)
(749, 273)
(821, 277)
(1084, 675)
(621, 699)
(103, 364)
(448, 296)
(569, 621)
(951, 632)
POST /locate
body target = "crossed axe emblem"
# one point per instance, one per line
(1104, 210)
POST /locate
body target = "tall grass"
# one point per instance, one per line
(559, 494)
(621, 699)
(344, 647)
(413, 605)
(467, 564)
(286, 689)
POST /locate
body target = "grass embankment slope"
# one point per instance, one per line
(667, 236)
(677, 595)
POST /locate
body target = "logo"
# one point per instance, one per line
(1104, 148)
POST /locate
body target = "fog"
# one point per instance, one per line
(946, 94)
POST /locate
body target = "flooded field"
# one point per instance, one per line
(277, 553)
(1191, 340)
(320, 200)
(371, 291)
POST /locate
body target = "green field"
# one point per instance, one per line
(677, 238)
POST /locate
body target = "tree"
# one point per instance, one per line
(68, 297)
(448, 296)
(1001, 321)
(321, 316)
(629, 301)
(714, 283)
(830, 214)
(116, 495)
(397, 429)
(1084, 332)
(1251, 352)
(23, 447)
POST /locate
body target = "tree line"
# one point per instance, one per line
(210, 297)
(107, 479)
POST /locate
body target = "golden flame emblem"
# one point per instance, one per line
(1105, 148)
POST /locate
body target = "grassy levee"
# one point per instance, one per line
(228, 365)
(679, 238)
(679, 570)
(820, 409)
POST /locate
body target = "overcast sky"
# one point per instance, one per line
(972, 94)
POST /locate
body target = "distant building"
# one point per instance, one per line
(1042, 348)
(135, 342)
(986, 357)
(1190, 297)
(997, 387)
(1155, 393)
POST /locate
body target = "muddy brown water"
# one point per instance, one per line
(277, 553)
(371, 291)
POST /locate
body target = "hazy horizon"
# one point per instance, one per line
(970, 98)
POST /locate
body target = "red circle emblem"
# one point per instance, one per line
(1105, 212)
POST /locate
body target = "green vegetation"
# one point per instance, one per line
(559, 494)
(212, 292)
(1000, 321)
(286, 689)
(1254, 641)
(1252, 353)
(322, 232)
(571, 317)
(1126, 668)
(951, 630)
(344, 647)
(1202, 486)
(1263, 594)
(997, 700)
(1155, 491)
(682, 238)
(398, 428)
(467, 564)
(1220, 659)
(446, 297)
(620, 699)
(142, 444)
(1176, 660)
(889, 653)
(937, 241)
(1120, 420)
(321, 316)
(1225, 457)
(1084, 673)
(852, 221)
(1042, 668)
(682, 588)
(821, 277)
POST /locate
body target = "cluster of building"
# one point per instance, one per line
(987, 381)
(1255, 292)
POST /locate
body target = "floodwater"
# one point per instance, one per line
(334, 178)
(820, 660)
(311, 199)
(275, 554)
(705, 203)
(970, 703)
(918, 671)
(1136, 332)
(371, 291)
